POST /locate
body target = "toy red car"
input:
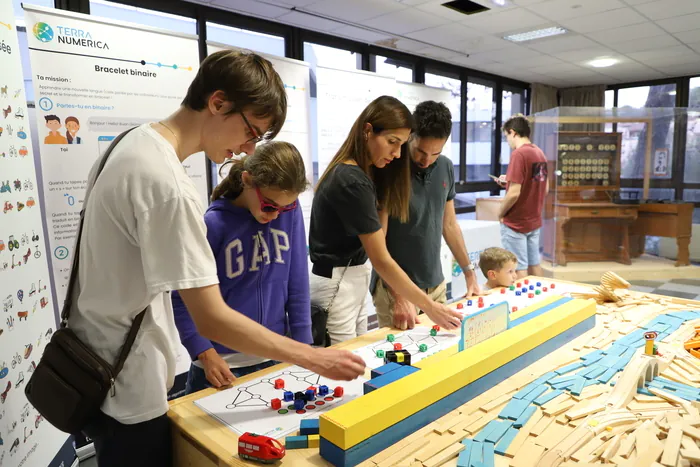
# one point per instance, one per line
(260, 448)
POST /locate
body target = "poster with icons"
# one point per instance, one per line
(27, 318)
(91, 85)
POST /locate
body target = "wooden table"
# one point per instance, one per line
(663, 220)
(589, 232)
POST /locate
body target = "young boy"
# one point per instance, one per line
(498, 266)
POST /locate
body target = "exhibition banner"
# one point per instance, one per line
(94, 79)
(296, 129)
(342, 95)
(28, 319)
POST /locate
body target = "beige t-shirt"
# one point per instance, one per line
(144, 235)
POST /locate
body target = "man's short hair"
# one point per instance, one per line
(248, 81)
(48, 118)
(519, 124)
(433, 120)
(494, 258)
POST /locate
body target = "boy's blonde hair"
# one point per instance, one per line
(493, 259)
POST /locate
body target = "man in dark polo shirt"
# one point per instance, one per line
(415, 245)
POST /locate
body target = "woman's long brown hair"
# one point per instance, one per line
(393, 182)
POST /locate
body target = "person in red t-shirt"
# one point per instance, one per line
(526, 187)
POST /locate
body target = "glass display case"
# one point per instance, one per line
(606, 170)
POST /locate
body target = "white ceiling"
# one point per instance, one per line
(651, 38)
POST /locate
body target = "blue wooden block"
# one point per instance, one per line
(525, 416)
(562, 379)
(288, 396)
(393, 434)
(615, 349)
(486, 431)
(391, 366)
(535, 393)
(631, 337)
(524, 391)
(463, 459)
(498, 432)
(299, 404)
(590, 382)
(487, 455)
(595, 372)
(388, 378)
(546, 377)
(569, 368)
(685, 315)
(296, 442)
(477, 454)
(578, 387)
(592, 357)
(308, 426)
(564, 385)
(644, 391)
(514, 409)
(503, 444)
(543, 399)
(323, 390)
(608, 375)
(608, 361)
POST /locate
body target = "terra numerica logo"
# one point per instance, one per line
(67, 35)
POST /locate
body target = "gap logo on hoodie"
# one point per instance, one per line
(235, 258)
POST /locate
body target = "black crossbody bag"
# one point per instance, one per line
(71, 381)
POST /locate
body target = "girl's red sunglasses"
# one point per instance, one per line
(267, 207)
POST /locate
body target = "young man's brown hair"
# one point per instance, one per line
(519, 124)
(493, 259)
(247, 79)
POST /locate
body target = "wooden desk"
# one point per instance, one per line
(589, 232)
(663, 220)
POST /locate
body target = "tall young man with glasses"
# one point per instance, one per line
(415, 245)
(144, 236)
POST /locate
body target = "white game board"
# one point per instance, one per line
(246, 407)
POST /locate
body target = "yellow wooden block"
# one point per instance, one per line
(314, 441)
(443, 354)
(359, 419)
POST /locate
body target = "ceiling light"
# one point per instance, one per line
(499, 2)
(602, 62)
(537, 34)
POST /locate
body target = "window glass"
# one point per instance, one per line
(692, 145)
(481, 110)
(388, 67)
(330, 57)
(609, 104)
(143, 16)
(634, 135)
(19, 12)
(245, 39)
(512, 103)
(468, 200)
(454, 86)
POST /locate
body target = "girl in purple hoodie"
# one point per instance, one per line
(256, 231)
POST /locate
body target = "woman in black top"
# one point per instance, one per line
(367, 173)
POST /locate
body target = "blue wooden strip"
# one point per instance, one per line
(631, 337)
(487, 455)
(622, 362)
(685, 315)
(615, 349)
(590, 382)
(463, 459)
(638, 343)
(578, 387)
(609, 361)
(503, 444)
(535, 393)
(544, 378)
(477, 453)
(562, 379)
(644, 391)
(393, 434)
(681, 386)
(596, 372)
(569, 368)
(592, 357)
(607, 376)
(564, 385)
(514, 409)
(486, 431)
(498, 432)
(526, 415)
(525, 390)
(547, 397)
(539, 311)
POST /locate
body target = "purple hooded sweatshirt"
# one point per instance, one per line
(263, 273)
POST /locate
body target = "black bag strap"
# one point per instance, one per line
(68, 302)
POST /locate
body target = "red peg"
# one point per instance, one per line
(338, 392)
(481, 304)
(436, 327)
(544, 289)
(515, 308)
(531, 295)
(460, 306)
(503, 291)
(527, 281)
(518, 285)
(552, 286)
(276, 404)
(311, 388)
(397, 346)
(279, 384)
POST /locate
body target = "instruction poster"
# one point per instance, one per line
(92, 81)
(27, 318)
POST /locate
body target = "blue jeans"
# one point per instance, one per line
(525, 246)
(197, 379)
